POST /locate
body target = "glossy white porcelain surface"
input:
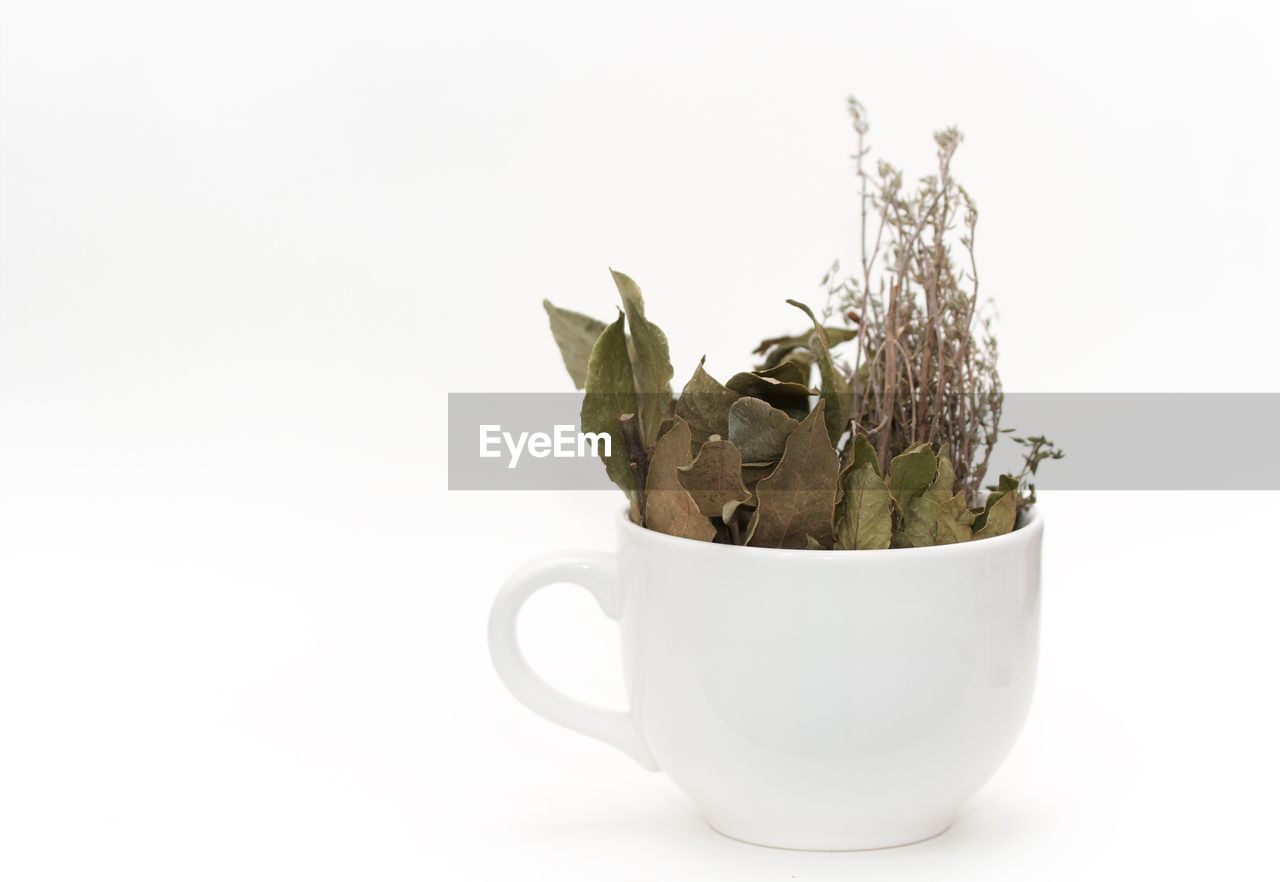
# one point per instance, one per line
(806, 699)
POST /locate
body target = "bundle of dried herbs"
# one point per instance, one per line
(888, 450)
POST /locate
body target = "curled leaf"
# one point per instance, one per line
(999, 517)
(785, 372)
(788, 396)
(752, 474)
(1000, 514)
(796, 347)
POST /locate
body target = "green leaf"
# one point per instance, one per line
(790, 397)
(650, 360)
(759, 430)
(798, 499)
(668, 507)
(910, 473)
(575, 334)
(835, 390)
(610, 393)
(866, 520)
(704, 405)
(714, 480)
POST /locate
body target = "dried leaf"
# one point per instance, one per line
(704, 405)
(668, 506)
(939, 515)
(835, 390)
(929, 522)
(796, 348)
(813, 544)
(610, 393)
(944, 484)
(650, 360)
(637, 456)
(714, 480)
(785, 372)
(752, 474)
(861, 452)
(1000, 513)
(798, 499)
(801, 358)
(998, 517)
(864, 452)
(575, 334)
(866, 516)
(790, 397)
(910, 474)
(759, 430)
(738, 522)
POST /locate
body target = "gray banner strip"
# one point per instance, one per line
(1113, 441)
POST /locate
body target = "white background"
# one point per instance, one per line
(248, 247)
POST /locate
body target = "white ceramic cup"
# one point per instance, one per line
(823, 700)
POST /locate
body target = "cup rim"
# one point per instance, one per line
(1028, 531)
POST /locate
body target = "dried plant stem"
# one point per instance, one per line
(920, 373)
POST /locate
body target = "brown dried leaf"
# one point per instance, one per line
(714, 480)
(799, 498)
(759, 430)
(704, 405)
(575, 334)
(787, 395)
(611, 392)
(910, 473)
(650, 360)
(866, 516)
(1000, 514)
(835, 391)
(668, 506)
(939, 515)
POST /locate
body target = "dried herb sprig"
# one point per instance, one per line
(924, 366)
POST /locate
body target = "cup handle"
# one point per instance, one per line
(598, 574)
